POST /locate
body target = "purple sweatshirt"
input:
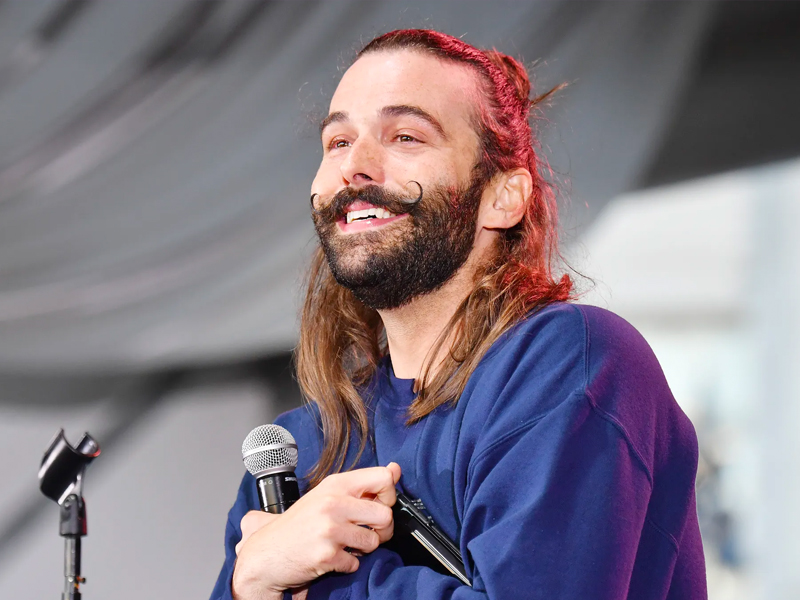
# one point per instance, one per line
(565, 470)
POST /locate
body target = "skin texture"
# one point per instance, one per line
(368, 141)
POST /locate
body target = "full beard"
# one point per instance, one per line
(389, 267)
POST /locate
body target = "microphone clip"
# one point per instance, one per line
(61, 479)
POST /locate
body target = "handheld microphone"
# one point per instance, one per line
(269, 453)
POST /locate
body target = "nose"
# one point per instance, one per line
(364, 163)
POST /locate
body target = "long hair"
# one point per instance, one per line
(342, 340)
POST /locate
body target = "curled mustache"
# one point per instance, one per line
(375, 195)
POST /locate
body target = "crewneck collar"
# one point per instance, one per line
(399, 392)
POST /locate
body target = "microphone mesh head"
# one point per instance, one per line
(265, 449)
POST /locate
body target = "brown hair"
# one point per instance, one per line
(342, 340)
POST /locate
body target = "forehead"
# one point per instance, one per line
(444, 88)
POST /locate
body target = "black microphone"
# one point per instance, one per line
(270, 454)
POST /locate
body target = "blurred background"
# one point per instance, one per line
(155, 164)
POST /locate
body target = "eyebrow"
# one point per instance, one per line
(396, 110)
(335, 117)
(400, 110)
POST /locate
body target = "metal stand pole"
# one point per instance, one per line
(72, 529)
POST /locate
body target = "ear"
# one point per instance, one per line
(506, 200)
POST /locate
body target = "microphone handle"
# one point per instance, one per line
(278, 491)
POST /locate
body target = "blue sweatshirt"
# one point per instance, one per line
(565, 470)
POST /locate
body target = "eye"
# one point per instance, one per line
(338, 143)
(405, 138)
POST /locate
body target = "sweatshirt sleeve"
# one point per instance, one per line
(222, 589)
(245, 501)
(553, 509)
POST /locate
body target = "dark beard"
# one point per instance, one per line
(401, 265)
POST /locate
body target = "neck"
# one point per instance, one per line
(413, 329)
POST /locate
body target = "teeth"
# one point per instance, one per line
(378, 213)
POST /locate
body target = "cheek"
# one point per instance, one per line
(328, 178)
(425, 170)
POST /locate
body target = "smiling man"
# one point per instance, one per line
(440, 357)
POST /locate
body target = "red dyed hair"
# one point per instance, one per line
(342, 340)
(506, 141)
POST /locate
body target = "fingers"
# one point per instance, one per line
(373, 482)
(347, 563)
(363, 539)
(395, 470)
(372, 517)
(350, 499)
(385, 533)
(327, 555)
(340, 511)
(365, 512)
(358, 524)
(300, 594)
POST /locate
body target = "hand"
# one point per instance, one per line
(346, 510)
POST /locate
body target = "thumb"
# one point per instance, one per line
(396, 471)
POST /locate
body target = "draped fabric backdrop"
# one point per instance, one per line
(156, 157)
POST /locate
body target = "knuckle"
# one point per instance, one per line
(352, 564)
(333, 479)
(372, 541)
(385, 517)
(324, 485)
(388, 479)
(326, 554)
(328, 530)
(386, 533)
(328, 504)
(367, 540)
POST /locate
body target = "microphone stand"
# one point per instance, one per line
(72, 528)
(61, 479)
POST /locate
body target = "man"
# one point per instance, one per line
(541, 435)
